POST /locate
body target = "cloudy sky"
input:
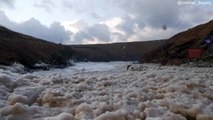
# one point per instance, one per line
(103, 21)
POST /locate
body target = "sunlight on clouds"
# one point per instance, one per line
(113, 24)
(75, 25)
(92, 41)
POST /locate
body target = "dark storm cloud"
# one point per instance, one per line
(149, 16)
(54, 33)
(151, 12)
(8, 3)
(48, 5)
(97, 31)
(154, 14)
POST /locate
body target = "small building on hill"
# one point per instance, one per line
(195, 53)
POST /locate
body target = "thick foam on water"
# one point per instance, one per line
(145, 92)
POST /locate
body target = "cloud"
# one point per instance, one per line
(143, 19)
(8, 3)
(109, 21)
(149, 13)
(67, 4)
(103, 32)
(95, 32)
(55, 33)
(199, 14)
(75, 25)
(48, 5)
(95, 16)
(128, 25)
(4, 20)
(77, 6)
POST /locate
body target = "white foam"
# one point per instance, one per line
(104, 91)
(62, 116)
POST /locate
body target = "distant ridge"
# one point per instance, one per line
(126, 51)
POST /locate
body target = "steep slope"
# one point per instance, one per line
(192, 38)
(27, 50)
(16, 47)
(129, 51)
(175, 49)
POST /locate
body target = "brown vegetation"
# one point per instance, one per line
(27, 50)
(129, 51)
(175, 49)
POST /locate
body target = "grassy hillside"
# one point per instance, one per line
(174, 51)
(130, 51)
(27, 50)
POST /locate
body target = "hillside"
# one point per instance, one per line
(129, 51)
(27, 50)
(174, 51)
